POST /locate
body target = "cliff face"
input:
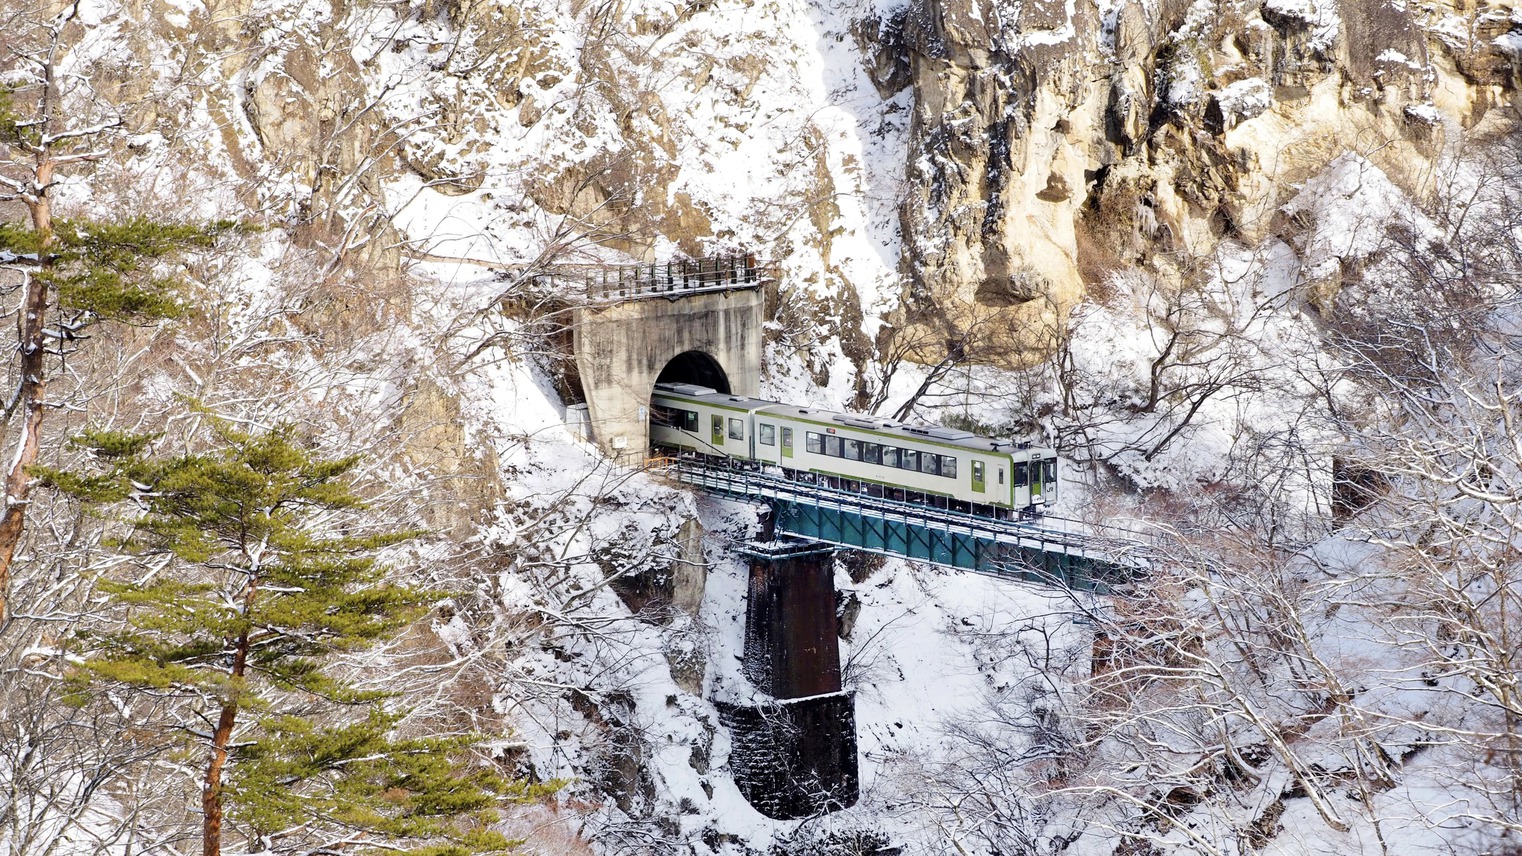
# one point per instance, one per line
(1054, 141)
(988, 160)
(963, 169)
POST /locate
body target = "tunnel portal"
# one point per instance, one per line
(695, 367)
(710, 338)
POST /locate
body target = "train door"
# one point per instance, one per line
(787, 442)
(718, 432)
(977, 477)
(1019, 480)
(1037, 482)
(763, 441)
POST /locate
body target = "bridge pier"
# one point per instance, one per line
(796, 756)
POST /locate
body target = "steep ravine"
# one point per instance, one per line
(930, 180)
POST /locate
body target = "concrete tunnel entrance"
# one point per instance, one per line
(710, 339)
(695, 367)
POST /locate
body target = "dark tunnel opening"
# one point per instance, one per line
(695, 367)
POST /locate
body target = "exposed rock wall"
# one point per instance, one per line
(1046, 141)
(1054, 141)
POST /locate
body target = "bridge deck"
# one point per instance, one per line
(1047, 550)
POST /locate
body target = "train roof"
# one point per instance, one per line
(932, 433)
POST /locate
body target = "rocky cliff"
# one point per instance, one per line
(936, 182)
(947, 163)
(1052, 142)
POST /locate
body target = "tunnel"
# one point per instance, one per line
(695, 367)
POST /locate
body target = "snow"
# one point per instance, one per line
(758, 110)
(718, 89)
(1229, 327)
(1245, 98)
(1187, 84)
(447, 226)
(927, 651)
(1350, 204)
(1395, 57)
(1320, 15)
(1016, 36)
(1425, 113)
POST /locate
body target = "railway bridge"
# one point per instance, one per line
(796, 756)
(1044, 550)
(701, 322)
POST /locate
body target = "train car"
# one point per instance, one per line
(880, 457)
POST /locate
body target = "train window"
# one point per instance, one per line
(1051, 472)
(1020, 475)
(736, 429)
(930, 463)
(909, 459)
(872, 453)
(1001, 475)
(689, 421)
(767, 434)
(815, 442)
(852, 449)
(787, 438)
(890, 456)
(832, 445)
(948, 466)
(718, 428)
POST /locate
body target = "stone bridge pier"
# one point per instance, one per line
(793, 755)
(694, 326)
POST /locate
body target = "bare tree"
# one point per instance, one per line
(74, 762)
(943, 339)
(32, 149)
(1449, 449)
(65, 275)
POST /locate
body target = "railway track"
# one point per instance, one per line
(923, 532)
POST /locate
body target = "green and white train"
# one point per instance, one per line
(938, 466)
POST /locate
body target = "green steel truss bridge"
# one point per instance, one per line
(1047, 550)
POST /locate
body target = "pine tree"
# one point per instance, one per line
(267, 583)
(73, 273)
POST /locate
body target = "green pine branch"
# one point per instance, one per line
(108, 271)
(266, 592)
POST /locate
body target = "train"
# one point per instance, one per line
(931, 465)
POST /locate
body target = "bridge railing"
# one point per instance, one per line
(614, 283)
(1045, 535)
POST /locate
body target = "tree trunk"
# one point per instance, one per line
(211, 786)
(32, 389)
